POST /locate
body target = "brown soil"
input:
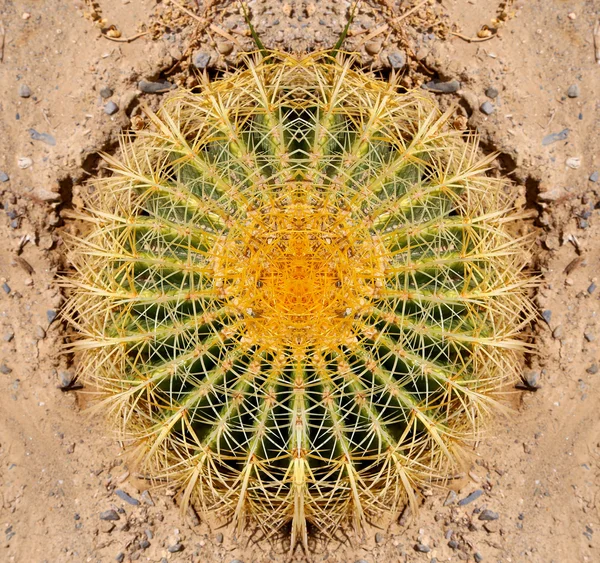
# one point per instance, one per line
(538, 468)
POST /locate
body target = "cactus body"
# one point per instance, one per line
(298, 293)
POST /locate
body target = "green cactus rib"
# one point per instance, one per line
(299, 293)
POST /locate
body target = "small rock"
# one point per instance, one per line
(554, 137)
(110, 515)
(219, 538)
(111, 108)
(66, 379)
(175, 548)
(50, 315)
(573, 91)
(127, 498)
(593, 177)
(144, 544)
(491, 93)
(558, 332)
(593, 369)
(532, 377)
(361, 561)
(107, 527)
(7, 337)
(589, 336)
(373, 47)
(24, 162)
(5, 369)
(421, 548)
(547, 315)
(379, 538)
(478, 557)
(470, 498)
(451, 498)
(397, 60)
(40, 333)
(200, 60)
(488, 515)
(106, 92)
(487, 108)
(146, 498)
(4, 176)
(453, 544)
(224, 47)
(6, 288)
(239, 561)
(591, 288)
(43, 137)
(47, 196)
(149, 87)
(120, 557)
(573, 162)
(439, 87)
(24, 91)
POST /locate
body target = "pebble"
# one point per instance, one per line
(4, 176)
(110, 515)
(589, 336)
(558, 332)
(66, 378)
(421, 548)
(127, 498)
(487, 108)
(373, 47)
(39, 332)
(591, 288)
(24, 91)
(144, 544)
(224, 47)
(573, 162)
(120, 557)
(547, 315)
(439, 87)
(478, 557)
(24, 162)
(6, 288)
(593, 369)
(8, 336)
(532, 377)
(573, 91)
(470, 498)
(50, 315)
(200, 60)
(379, 538)
(149, 87)
(453, 544)
(554, 137)
(175, 548)
(43, 137)
(48, 196)
(111, 108)
(361, 561)
(451, 498)
(5, 369)
(491, 93)
(106, 92)
(397, 60)
(488, 515)
(593, 176)
(219, 538)
(146, 498)
(240, 561)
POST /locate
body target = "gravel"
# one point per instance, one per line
(491, 93)
(25, 91)
(111, 108)
(470, 498)
(487, 108)
(201, 60)
(124, 496)
(573, 91)
(149, 87)
(110, 515)
(554, 137)
(439, 87)
(397, 60)
(43, 137)
(488, 515)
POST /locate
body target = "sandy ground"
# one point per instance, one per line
(538, 468)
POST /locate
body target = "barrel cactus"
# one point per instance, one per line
(299, 293)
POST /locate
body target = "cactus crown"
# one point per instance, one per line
(298, 293)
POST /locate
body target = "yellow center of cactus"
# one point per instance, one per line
(298, 273)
